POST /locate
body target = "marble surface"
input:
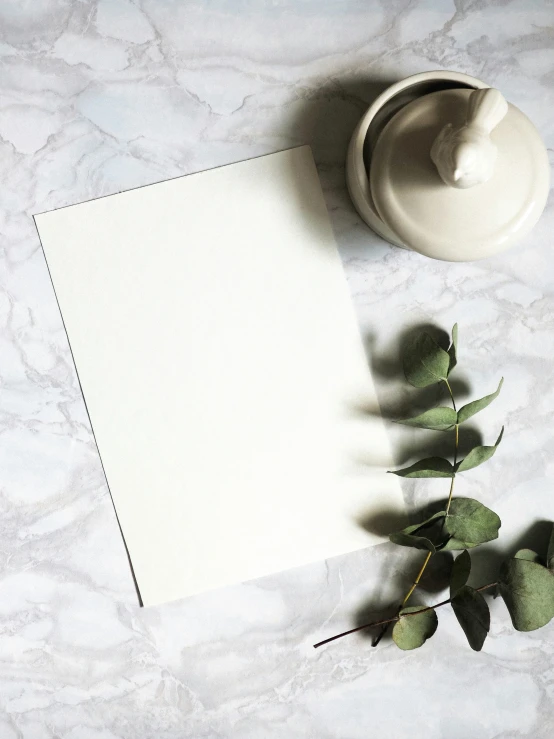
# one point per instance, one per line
(99, 97)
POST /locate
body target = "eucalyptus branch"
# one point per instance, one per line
(429, 554)
(397, 618)
(526, 581)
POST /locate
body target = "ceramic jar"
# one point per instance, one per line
(440, 163)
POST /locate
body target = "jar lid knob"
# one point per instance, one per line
(465, 155)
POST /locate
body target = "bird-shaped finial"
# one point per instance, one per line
(465, 155)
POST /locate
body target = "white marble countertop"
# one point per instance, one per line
(99, 97)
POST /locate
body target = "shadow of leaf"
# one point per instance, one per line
(438, 444)
(377, 609)
(388, 364)
(437, 573)
(384, 522)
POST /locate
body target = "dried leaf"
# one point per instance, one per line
(431, 467)
(425, 363)
(528, 554)
(453, 349)
(411, 632)
(469, 410)
(460, 572)
(453, 545)
(528, 590)
(437, 419)
(550, 551)
(470, 523)
(473, 615)
(418, 535)
(478, 455)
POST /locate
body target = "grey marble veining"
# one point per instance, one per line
(99, 97)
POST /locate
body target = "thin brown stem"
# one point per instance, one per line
(396, 618)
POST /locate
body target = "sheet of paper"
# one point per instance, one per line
(223, 372)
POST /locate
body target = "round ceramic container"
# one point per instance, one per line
(370, 127)
(485, 206)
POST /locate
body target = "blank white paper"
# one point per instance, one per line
(223, 372)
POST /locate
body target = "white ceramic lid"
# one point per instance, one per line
(493, 182)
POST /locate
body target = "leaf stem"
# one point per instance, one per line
(414, 585)
(418, 578)
(429, 554)
(406, 598)
(451, 394)
(396, 618)
(456, 443)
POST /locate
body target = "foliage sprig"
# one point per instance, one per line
(525, 581)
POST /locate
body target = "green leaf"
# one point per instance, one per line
(417, 542)
(469, 410)
(471, 523)
(529, 555)
(425, 363)
(437, 419)
(550, 551)
(528, 590)
(453, 349)
(478, 455)
(418, 535)
(430, 467)
(411, 632)
(460, 572)
(473, 615)
(452, 545)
